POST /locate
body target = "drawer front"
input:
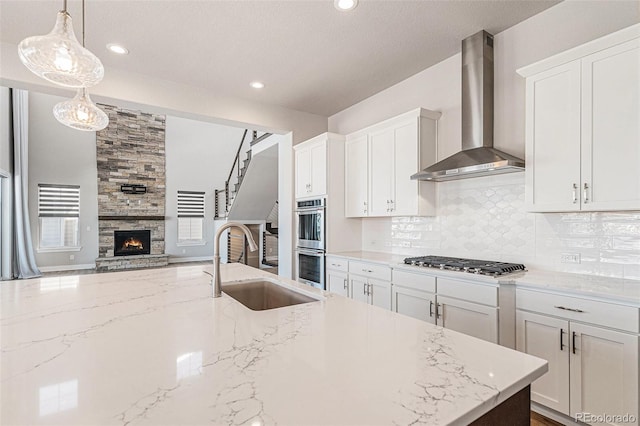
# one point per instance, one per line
(416, 281)
(337, 263)
(477, 293)
(371, 270)
(606, 314)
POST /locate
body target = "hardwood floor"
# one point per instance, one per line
(540, 420)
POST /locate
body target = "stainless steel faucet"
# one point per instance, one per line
(217, 282)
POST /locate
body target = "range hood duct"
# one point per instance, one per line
(478, 157)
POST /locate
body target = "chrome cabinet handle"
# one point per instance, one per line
(364, 289)
(392, 208)
(585, 193)
(388, 205)
(573, 342)
(569, 309)
(345, 283)
(369, 289)
(561, 339)
(367, 270)
(365, 207)
(438, 315)
(430, 308)
(575, 193)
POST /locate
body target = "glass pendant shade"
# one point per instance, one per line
(59, 58)
(81, 113)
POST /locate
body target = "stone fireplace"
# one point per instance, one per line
(130, 151)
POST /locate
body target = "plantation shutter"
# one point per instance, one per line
(190, 204)
(58, 200)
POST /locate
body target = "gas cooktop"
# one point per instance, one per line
(473, 266)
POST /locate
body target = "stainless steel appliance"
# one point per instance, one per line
(311, 223)
(311, 242)
(472, 266)
(478, 156)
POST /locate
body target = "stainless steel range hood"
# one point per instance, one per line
(478, 157)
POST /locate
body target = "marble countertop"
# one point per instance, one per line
(617, 290)
(152, 347)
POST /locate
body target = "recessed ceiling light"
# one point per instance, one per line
(345, 4)
(256, 85)
(116, 48)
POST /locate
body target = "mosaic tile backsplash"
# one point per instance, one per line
(486, 218)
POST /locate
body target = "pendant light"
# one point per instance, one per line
(59, 58)
(81, 113)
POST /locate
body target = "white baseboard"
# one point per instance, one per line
(175, 259)
(66, 267)
(554, 415)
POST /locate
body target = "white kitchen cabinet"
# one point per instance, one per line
(370, 283)
(395, 150)
(414, 303)
(547, 338)
(604, 372)
(380, 293)
(593, 369)
(356, 186)
(359, 288)
(338, 282)
(311, 168)
(469, 318)
(582, 132)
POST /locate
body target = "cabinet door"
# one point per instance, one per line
(359, 289)
(469, 318)
(604, 372)
(610, 129)
(318, 179)
(356, 186)
(553, 139)
(413, 303)
(338, 282)
(381, 172)
(303, 172)
(404, 201)
(380, 293)
(547, 338)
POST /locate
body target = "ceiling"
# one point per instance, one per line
(310, 56)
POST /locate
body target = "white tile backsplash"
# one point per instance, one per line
(486, 218)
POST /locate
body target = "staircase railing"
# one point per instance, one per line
(235, 167)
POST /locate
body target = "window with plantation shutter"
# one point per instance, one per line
(58, 213)
(190, 216)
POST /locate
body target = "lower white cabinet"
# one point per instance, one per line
(338, 282)
(370, 290)
(593, 371)
(414, 303)
(469, 318)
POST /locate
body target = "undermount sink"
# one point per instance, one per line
(263, 294)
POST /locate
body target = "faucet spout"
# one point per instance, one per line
(217, 282)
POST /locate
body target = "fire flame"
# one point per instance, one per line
(132, 243)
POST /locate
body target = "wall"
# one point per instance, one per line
(199, 157)
(180, 100)
(485, 217)
(59, 154)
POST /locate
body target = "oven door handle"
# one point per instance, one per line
(311, 210)
(310, 252)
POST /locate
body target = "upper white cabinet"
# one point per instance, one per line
(380, 160)
(311, 168)
(583, 127)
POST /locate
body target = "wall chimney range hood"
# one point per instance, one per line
(478, 157)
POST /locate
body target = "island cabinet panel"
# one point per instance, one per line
(414, 303)
(469, 318)
(582, 128)
(547, 338)
(338, 282)
(604, 373)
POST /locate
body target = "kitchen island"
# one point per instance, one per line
(152, 347)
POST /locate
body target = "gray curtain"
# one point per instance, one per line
(24, 261)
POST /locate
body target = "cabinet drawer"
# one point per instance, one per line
(372, 270)
(472, 292)
(583, 310)
(337, 264)
(412, 280)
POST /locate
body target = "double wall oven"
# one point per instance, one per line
(311, 243)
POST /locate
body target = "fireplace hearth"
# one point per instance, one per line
(131, 243)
